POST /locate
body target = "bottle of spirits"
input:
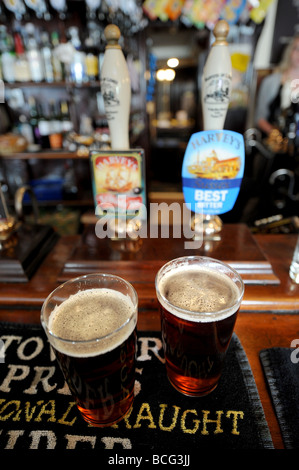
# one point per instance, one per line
(34, 55)
(44, 125)
(46, 51)
(21, 65)
(78, 64)
(66, 122)
(26, 130)
(33, 120)
(57, 65)
(55, 136)
(91, 59)
(8, 56)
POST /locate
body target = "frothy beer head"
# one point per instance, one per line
(198, 292)
(91, 322)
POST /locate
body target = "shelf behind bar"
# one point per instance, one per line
(44, 155)
(61, 84)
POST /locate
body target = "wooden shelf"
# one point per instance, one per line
(45, 155)
(62, 84)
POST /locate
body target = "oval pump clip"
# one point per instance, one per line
(214, 159)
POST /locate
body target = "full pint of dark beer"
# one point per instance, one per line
(91, 324)
(199, 300)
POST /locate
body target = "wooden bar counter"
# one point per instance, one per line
(269, 312)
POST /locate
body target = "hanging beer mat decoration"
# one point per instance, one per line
(36, 411)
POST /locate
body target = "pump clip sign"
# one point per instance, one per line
(212, 171)
(119, 182)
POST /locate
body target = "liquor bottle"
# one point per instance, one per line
(47, 57)
(21, 65)
(91, 59)
(8, 56)
(78, 64)
(55, 136)
(57, 65)
(66, 122)
(26, 130)
(33, 54)
(33, 120)
(116, 89)
(44, 126)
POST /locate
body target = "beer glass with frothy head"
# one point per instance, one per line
(199, 299)
(90, 323)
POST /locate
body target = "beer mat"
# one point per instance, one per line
(281, 369)
(37, 411)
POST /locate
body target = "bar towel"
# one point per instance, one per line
(281, 369)
(37, 411)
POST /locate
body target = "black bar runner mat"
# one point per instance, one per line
(281, 369)
(37, 411)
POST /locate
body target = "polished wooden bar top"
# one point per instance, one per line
(262, 260)
(268, 316)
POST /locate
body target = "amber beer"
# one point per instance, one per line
(91, 324)
(199, 300)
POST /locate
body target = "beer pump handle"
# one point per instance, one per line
(217, 80)
(215, 96)
(116, 89)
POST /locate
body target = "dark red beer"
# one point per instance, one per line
(103, 385)
(199, 301)
(91, 324)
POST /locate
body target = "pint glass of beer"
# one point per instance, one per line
(199, 300)
(90, 323)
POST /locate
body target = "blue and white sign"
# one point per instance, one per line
(212, 171)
